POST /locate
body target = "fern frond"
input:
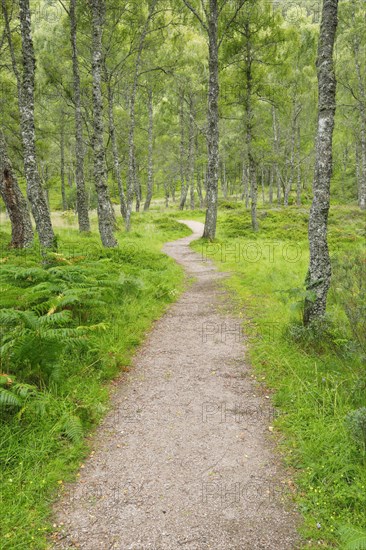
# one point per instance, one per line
(24, 390)
(64, 334)
(56, 373)
(13, 317)
(31, 274)
(94, 328)
(354, 538)
(8, 399)
(55, 319)
(70, 426)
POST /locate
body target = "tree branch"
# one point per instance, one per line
(196, 14)
(231, 21)
(204, 8)
(65, 8)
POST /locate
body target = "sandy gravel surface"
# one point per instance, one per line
(186, 460)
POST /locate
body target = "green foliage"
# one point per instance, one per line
(70, 426)
(353, 538)
(356, 424)
(317, 373)
(67, 329)
(322, 335)
(283, 42)
(349, 291)
(229, 205)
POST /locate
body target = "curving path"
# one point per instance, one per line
(185, 459)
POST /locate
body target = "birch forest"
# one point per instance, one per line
(124, 126)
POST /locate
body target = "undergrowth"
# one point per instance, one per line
(69, 324)
(317, 374)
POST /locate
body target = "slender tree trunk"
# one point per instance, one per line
(212, 10)
(81, 197)
(131, 183)
(166, 191)
(183, 197)
(136, 185)
(362, 192)
(242, 180)
(199, 189)
(358, 169)
(16, 205)
(253, 195)
(298, 187)
(62, 162)
(173, 187)
(191, 191)
(289, 182)
(343, 163)
(223, 180)
(245, 185)
(69, 177)
(276, 147)
(191, 151)
(278, 187)
(362, 111)
(150, 166)
(262, 184)
(271, 177)
(182, 165)
(212, 122)
(319, 274)
(205, 187)
(131, 177)
(105, 211)
(249, 127)
(117, 167)
(247, 188)
(35, 192)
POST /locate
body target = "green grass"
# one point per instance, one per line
(317, 376)
(68, 328)
(111, 298)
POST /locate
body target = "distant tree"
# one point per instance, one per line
(150, 165)
(132, 181)
(81, 198)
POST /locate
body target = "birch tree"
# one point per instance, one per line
(208, 16)
(105, 212)
(253, 185)
(252, 45)
(319, 273)
(25, 88)
(191, 150)
(362, 110)
(16, 205)
(182, 153)
(112, 134)
(132, 179)
(150, 167)
(81, 198)
(276, 150)
(62, 161)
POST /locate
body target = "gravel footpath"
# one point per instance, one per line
(185, 460)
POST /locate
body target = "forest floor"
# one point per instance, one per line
(185, 458)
